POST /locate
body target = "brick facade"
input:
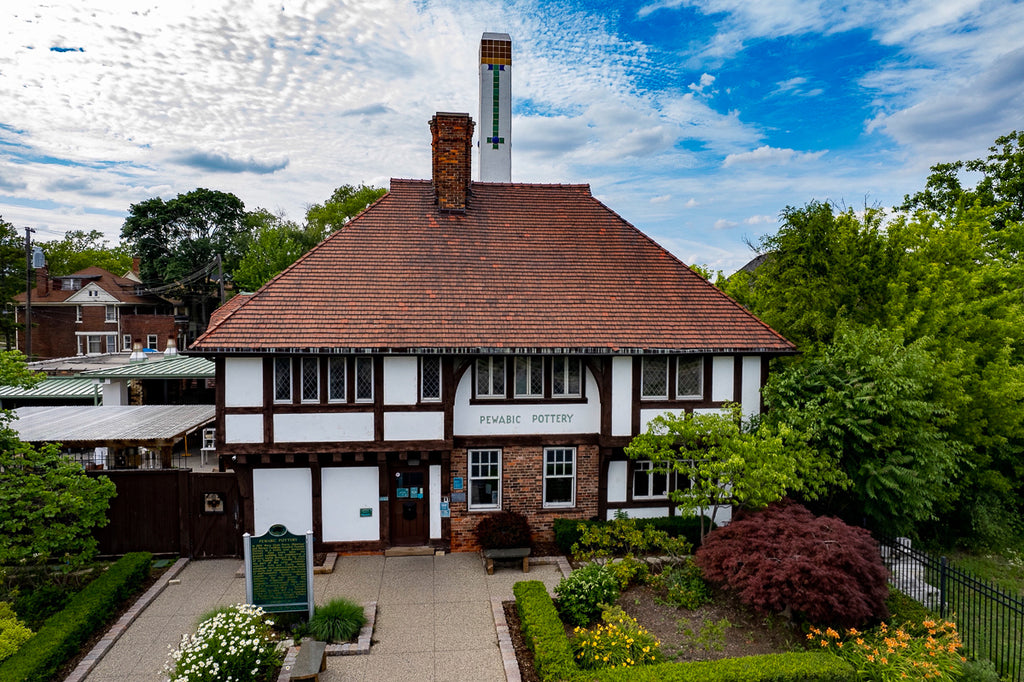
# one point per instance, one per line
(452, 141)
(141, 326)
(522, 483)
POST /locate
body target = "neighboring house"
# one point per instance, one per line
(465, 347)
(92, 312)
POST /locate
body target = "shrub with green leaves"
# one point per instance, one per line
(683, 585)
(339, 620)
(581, 595)
(619, 641)
(629, 570)
(13, 633)
(235, 644)
(624, 537)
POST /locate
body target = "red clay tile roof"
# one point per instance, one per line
(525, 267)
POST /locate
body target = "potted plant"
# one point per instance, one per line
(504, 535)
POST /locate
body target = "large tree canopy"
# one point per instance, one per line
(12, 277)
(79, 250)
(344, 204)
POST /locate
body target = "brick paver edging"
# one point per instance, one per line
(127, 618)
(360, 646)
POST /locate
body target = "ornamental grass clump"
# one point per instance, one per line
(618, 641)
(581, 595)
(234, 645)
(339, 620)
(929, 650)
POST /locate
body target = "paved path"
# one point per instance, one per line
(434, 617)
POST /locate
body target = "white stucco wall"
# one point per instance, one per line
(722, 377)
(243, 428)
(282, 496)
(344, 491)
(485, 419)
(640, 513)
(622, 395)
(400, 381)
(413, 425)
(434, 493)
(323, 427)
(751, 394)
(617, 481)
(243, 382)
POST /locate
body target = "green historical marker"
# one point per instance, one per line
(279, 570)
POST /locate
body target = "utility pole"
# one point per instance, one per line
(28, 293)
(220, 277)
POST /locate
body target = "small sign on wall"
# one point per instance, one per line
(446, 511)
(365, 512)
(457, 483)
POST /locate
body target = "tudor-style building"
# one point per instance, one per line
(463, 347)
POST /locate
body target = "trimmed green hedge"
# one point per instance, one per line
(552, 655)
(567, 530)
(64, 633)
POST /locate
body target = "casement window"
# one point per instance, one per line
(648, 483)
(78, 313)
(490, 377)
(689, 378)
(364, 380)
(566, 377)
(152, 341)
(559, 477)
(310, 380)
(654, 378)
(126, 342)
(337, 388)
(529, 380)
(111, 313)
(282, 380)
(430, 378)
(484, 479)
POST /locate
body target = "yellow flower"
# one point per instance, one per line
(832, 633)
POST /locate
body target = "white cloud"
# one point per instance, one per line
(723, 224)
(691, 203)
(770, 156)
(759, 220)
(661, 199)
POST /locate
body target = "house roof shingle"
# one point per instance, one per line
(526, 267)
(121, 288)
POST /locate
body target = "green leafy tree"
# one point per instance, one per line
(79, 250)
(875, 406)
(50, 505)
(12, 278)
(728, 462)
(178, 240)
(1001, 185)
(344, 204)
(276, 244)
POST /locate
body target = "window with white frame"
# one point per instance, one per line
(484, 479)
(490, 377)
(95, 344)
(126, 342)
(78, 313)
(152, 341)
(430, 378)
(364, 379)
(648, 483)
(111, 313)
(310, 380)
(111, 343)
(654, 378)
(689, 378)
(529, 379)
(282, 380)
(566, 377)
(559, 477)
(336, 386)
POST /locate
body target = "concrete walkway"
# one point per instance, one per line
(435, 618)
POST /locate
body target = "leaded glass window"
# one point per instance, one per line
(490, 377)
(654, 379)
(282, 379)
(689, 378)
(430, 378)
(336, 386)
(364, 379)
(529, 377)
(310, 380)
(566, 373)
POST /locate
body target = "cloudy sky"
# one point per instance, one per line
(696, 120)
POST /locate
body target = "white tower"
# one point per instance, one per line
(495, 107)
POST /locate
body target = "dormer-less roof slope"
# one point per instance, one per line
(525, 267)
(121, 288)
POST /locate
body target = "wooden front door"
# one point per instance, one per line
(409, 505)
(215, 515)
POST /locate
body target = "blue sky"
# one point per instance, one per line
(696, 120)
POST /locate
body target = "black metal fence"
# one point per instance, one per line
(990, 621)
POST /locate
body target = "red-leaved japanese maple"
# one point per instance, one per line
(783, 559)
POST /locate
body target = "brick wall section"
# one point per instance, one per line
(522, 485)
(452, 143)
(141, 326)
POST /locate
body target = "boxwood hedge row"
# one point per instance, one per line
(64, 633)
(552, 655)
(567, 531)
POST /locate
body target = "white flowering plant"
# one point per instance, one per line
(235, 644)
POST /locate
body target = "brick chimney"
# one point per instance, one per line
(452, 143)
